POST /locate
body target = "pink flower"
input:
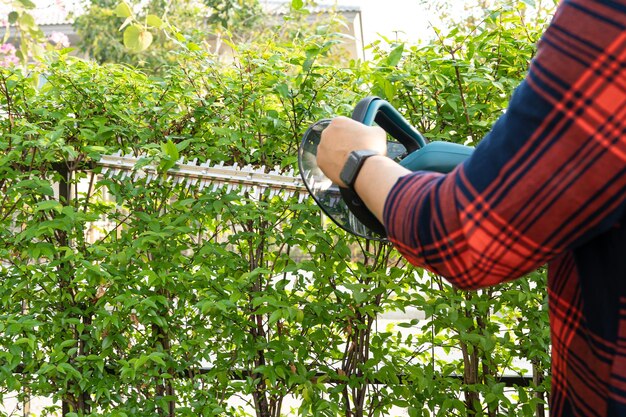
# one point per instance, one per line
(9, 61)
(7, 49)
(59, 39)
(7, 55)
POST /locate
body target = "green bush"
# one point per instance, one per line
(191, 299)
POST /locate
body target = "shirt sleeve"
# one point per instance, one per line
(549, 176)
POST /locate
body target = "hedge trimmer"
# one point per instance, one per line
(411, 150)
(247, 178)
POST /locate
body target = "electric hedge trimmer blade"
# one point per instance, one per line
(204, 176)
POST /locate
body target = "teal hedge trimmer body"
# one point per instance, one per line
(409, 148)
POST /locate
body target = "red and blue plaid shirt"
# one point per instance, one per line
(546, 185)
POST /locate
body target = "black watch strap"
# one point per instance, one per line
(353, 166)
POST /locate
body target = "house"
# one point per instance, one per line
(52, 16)
(351, 15)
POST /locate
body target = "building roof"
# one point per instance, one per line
(48, 12)
(63, 12)
(282, 7)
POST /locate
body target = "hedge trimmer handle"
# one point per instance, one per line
(420, 155)
(372, 110)
(412, 152)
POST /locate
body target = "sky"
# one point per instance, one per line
(405, 19)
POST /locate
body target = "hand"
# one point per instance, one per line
(342, 136)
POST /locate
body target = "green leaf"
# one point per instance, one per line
(137, 38)
(283, 90)
(157, 358)
(395, 55)
(170, 149)
(193, 46)
(154, 21)
(27, 4)
(297, 4)
(414, 412)
(107, 342)
(13, 17)
(67, 368)
(48, 205)
(275, 316)
(127, 22)
(141, 361)
(123, 10)
(26, 20)
(39, 186)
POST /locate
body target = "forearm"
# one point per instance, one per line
(376, 178)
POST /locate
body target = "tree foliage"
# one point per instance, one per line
(239, 15)
(107, 26)
(153, 30)
(122, 296)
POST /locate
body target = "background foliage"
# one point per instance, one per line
(123, 297)
(162, 25)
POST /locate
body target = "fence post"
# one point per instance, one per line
(82, 403)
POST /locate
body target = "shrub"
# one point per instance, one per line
(186, 300)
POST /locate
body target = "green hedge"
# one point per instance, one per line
(191, 299)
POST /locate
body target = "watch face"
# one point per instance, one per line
(326, 194)
(350, 169)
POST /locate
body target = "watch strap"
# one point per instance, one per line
(353, 166)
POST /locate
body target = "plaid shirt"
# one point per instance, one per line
(546, 185)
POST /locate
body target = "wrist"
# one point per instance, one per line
(377, 177)
(372, 167)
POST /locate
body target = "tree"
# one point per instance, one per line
(235, 16)
(101, 27)
(161, 25)
(448, 14)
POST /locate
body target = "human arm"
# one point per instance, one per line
(548, 177)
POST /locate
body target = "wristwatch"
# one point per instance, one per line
(353, 165)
